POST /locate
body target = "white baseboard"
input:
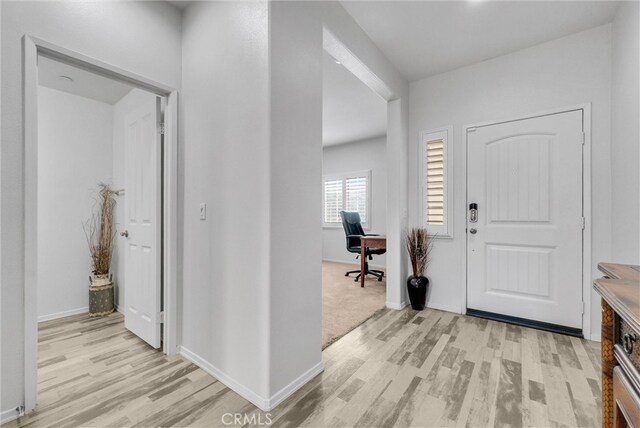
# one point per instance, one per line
(298, 383)
(63, 314)
(596, 337)
(264, 404)
(8, 416)
(354, 263)
(444, 307)
(261, 402)
(393, 305)
(432, 305)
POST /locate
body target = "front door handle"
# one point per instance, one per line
(473, 231)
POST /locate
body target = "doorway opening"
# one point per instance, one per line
(90, 124)
(88, 128)
(354, 192)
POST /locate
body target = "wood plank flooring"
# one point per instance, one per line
(400, 368)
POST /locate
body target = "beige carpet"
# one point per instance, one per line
(345, 305)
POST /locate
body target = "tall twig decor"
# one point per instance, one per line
(419, 246)
(99, 231)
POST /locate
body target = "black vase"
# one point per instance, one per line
(417, 287)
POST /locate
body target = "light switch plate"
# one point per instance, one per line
(203, 211)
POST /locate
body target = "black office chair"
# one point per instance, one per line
(353, 231)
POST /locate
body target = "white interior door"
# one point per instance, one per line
(524, 253)
(142, 293)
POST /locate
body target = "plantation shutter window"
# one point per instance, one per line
(434, 185)
(332, 201)
(435, 182)
(348, 192)
(356, 196)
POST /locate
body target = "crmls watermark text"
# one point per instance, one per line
(246, 418)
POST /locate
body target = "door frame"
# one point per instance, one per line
(32, 47)
(586, 203)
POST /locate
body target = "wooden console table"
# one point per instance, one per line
(373, 242)
(620, 291)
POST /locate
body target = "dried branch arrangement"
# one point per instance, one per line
(419, 246)
(100, 232)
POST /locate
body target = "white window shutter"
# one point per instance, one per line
(356, 196)
(435, 189)
(435, 182)
(349, 192)
(332, 201)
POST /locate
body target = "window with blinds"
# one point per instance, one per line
(434, 184)
(434, 159)
(332, 201)
(349, 192)
(355, 191)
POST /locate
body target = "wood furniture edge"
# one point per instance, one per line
(611, 305)
(619, 275)
(607, 365)
(363, 252)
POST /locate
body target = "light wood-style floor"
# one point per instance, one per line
(400, 368)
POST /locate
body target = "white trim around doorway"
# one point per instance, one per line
(31, 48)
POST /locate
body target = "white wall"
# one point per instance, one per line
(74, 155)
(358, 156)
(625, 135)
(252, 117)
(121, 109)
(142, 37)
(565, 72)
(226, 155)
(296, 183)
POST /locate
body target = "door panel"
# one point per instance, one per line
(525, 259)
(143, 222)
(521, 195)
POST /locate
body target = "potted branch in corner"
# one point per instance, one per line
(419, 247)
(100, 233)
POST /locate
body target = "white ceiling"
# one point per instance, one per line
(180, 4)
(424, 38)
(351, 111)
(85, 83)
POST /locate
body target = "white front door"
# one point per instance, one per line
(524, 252)
(142, 291)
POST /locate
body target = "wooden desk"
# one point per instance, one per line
(373, 242)
(620, 291)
